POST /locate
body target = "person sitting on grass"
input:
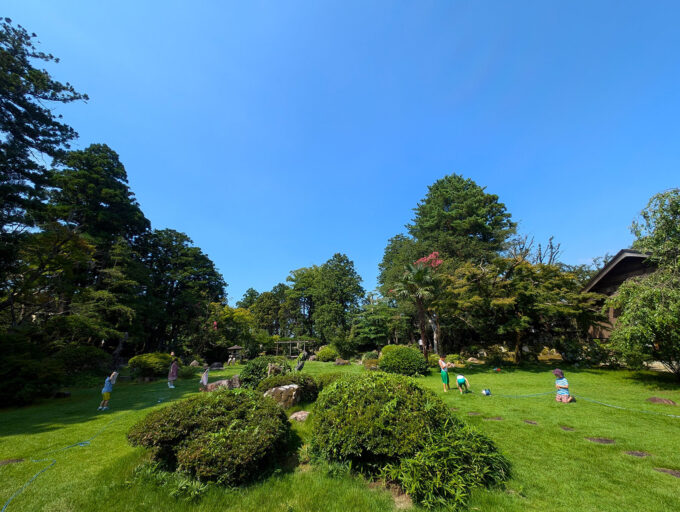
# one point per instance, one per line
(444, 366)
(562, 387)
(106, 391)
(463, 384)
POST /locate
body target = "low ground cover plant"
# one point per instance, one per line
(326, 379)
(255, 370)
(226, 436)
(388, 426)
(403, 360)
(327, 353)
(153, 364)
(310, 389)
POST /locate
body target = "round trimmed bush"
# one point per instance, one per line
(83, 359)
(225, 436)
(433, 360)
(310, 389)
(327, 353)
(403, 360)
(374, 418)
(256, 369)
(153, 364)
(388, 426)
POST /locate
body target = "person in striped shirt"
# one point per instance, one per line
(562, 386)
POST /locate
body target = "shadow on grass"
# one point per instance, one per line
(81, 407)
(664, 381)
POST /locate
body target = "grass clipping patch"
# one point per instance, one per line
(227, 436)
(388, 427)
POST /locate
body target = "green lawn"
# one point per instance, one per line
(552, 468)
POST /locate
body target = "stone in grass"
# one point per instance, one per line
(286, 396)
(472, 413)
(530, 422)
(10, 461)
(636, 453)
(299, 416)
(494, 418)
(672, 472)
(659, 400)
(600, 440)
(566, 429)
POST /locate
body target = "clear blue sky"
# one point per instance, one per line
(278, 133)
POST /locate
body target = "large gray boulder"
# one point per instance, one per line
(299, 416)
(286, 396)
(194, 363)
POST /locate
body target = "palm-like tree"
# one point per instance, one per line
(417, 285)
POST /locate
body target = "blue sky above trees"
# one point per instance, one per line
(277, 134)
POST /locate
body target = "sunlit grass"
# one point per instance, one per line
(552, 468)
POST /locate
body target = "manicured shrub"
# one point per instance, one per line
(389, 348)
(310, 389)
(78, 359)
(374, 418)
(388, 426)
(153, 364)
(256, 369)
(404, 360)
(226, 436)
(188, 372)
(327, 353)
(451, 463)
(326, 379)
(26, 378)
(433, 360)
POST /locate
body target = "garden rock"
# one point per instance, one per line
(232, 383)
(636, 453)
(672, 472)
(194, 363)
(473, 360)
(216, 366)
(273, 369)
(286, 396)
(567, 429)
(600, 440)
(341, 362)
(312, 358)
(299, 416)
(10, 461)
(659, 400)
(530, 422)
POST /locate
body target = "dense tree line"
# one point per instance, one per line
(79, 262)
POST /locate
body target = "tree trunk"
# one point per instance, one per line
(423, 328)
(518, 347)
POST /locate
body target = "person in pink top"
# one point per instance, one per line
(172, 374)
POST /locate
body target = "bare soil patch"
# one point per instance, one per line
(10, 461)
(530, 422)
(601, 440)
(402, 501)
(659, 400)
(672, 472)
(636, 453)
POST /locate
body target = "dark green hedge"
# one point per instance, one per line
(153, 364)
(227, 436)
(403, 360)
(388, 426)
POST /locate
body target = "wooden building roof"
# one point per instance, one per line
(626, 264)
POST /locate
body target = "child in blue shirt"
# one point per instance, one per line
(562, 386)
(106, 391)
